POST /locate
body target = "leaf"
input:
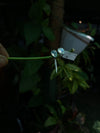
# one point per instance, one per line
(29, 76)
(32, 67)
(63, 109)
(45, 22)
(74, 87)
(35, 101)
(73, 67)
(60, 62)
(53, 74)
(96, 126)
(93, 32)
(83, 75)
(50, 121)
(44, 49)
(68, 84)
(37, 91)
(42, 3)
(16, 50)
(86, 57)
(47, 9)
(32, 32)
(35, 12)
(97, 44)
(28, 83)
(90, 26)
(68, 74)
(48, 33)
(84, 85)
(74, 25)
(52, 110)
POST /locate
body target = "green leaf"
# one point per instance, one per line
(83, 75)
(52, 110)
(35, 101)
(68, 74)
(74, 87)
(37, 91)
(97, 44)
(73, 67)
(28, 83)
(45, 22)
(29, 76)
(61, 62)
(84, 85)
(32, 32)
(48, 33)
(47, 9)
(68, 84)
(93, 32)
(16, 50)
(90, 26)
(86, 57)
(50, 122)
(54, 74)
(32, 67)
(44, 49)
(74, 25)
(96, 126)
(35, 12)
(63, 109)
(42, 3)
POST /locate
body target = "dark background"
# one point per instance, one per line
(12, 12)
(87, 10)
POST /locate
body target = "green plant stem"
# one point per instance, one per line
(29, 58)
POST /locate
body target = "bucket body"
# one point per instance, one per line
(72, 39)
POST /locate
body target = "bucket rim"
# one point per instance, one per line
(79, 33)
